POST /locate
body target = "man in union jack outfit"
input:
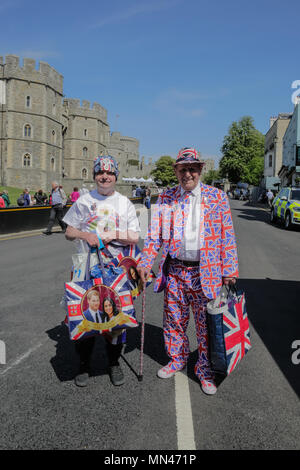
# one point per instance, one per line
(193, 225)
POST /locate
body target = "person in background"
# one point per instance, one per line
(148, 198)
(58, 201)
(270, 197)
(134, 191)
(2, 203)
(27, 197)
(138, 191)
(40, 198)
(74, 195)
(6, 198)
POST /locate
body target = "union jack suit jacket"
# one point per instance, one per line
(218, 252)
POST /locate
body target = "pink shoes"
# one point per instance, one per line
(208, 387)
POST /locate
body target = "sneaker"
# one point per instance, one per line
(208, 387)
(168, 371)
(81, 380)
(116, 375)
(46, 232)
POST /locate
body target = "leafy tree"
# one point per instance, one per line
(243, 152)
(210, 176)
(164, 171)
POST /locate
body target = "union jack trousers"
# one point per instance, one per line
(182, 291)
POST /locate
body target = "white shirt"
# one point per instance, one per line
(93, 212)
(190, 248)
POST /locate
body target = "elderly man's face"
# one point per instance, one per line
(105, 181)
(188, 175)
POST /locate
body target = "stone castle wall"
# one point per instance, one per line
(44, 137)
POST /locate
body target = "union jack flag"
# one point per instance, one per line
(229, 335)
(128, 260)
(114, 290)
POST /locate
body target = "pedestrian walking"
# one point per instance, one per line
(58, 201)
(270, 197)
(193, 225)
(104, 213)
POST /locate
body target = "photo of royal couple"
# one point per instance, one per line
(100, 305)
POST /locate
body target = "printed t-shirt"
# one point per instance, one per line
(93, 212)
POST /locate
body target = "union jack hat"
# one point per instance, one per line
(106, 163)
(188, 155)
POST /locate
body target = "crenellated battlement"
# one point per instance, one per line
(85, 109)
(44, 74)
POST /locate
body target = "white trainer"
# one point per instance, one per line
(208, 387)
(167, 371)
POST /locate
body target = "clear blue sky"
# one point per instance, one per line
(177, 72)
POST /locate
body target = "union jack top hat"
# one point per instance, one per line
(188, 155)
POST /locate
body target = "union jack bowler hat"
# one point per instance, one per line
(188, 155)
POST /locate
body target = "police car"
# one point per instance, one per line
(286, 207)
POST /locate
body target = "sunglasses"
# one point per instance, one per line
(190, 169)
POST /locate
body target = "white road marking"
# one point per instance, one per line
(184, 416)
(20, 358)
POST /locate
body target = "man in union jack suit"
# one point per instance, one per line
(193, 225)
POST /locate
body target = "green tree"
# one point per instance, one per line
(243, 152)
(210, 176)
(164, 171)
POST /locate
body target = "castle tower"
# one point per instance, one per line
(86, 137)
(30, 123)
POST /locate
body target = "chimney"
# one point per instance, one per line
(272, 120)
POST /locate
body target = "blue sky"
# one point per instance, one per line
(177, 72)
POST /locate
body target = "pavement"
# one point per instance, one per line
(255, 408)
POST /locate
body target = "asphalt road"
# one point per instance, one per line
(256, 407)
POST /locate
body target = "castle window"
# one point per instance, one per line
(84, 173)
(84, 151)
(85, 132)
(27, 130)
(28, 101)
(26, 160)
(52, 164)
(54, 109)
(270, 160)
(53, 137)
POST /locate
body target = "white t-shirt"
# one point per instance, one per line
(93, 212)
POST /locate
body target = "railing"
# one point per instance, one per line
(20, 219)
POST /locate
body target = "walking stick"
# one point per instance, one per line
(140, 376)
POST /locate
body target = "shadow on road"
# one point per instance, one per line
(273, 310)
(66, 362)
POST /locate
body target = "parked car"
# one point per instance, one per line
(286, 207)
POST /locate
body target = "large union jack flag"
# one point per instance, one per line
(229, 334)
(99, 306)
(236, 331)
